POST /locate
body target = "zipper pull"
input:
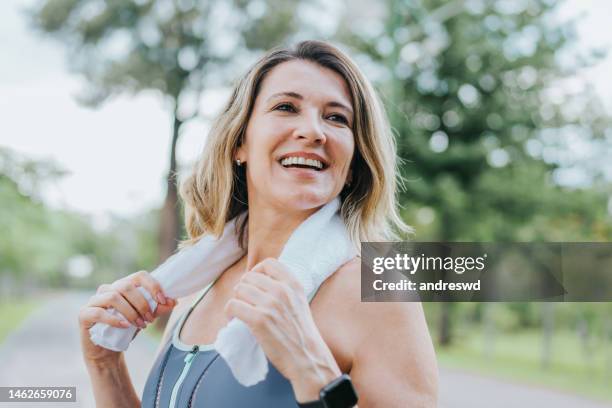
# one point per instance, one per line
(191, 354)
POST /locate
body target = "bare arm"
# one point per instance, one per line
(111, 382)
(112, 386)
(394, 363)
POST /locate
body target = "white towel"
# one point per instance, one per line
(315, 250)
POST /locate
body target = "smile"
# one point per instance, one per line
(304, 162)
(301, 162)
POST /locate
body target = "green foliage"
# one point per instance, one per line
(467, 89)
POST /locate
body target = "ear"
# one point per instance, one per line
(240, 154)
(349, 177)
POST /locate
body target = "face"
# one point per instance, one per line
(298, 143)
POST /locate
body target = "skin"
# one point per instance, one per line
(385, 347)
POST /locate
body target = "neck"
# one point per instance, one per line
(269, 230)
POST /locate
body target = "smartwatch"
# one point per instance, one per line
(339, 393)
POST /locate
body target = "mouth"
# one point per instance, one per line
(303, 161)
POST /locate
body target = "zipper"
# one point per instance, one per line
(188, 361)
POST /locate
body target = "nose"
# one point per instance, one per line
(310, 128)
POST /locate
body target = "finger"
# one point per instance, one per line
(270, 267)
(118, 302)
(279, 290)
(163, 309)
(259, 280)
(144, 279)
(115, 300)
(129, 291)
(241, 310)
(103, 288)
(252, 295)
(92, 315)
(277, 271)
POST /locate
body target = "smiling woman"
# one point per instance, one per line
(302, 128)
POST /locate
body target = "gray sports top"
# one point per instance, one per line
(196, 376)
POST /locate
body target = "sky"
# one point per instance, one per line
(117, 156)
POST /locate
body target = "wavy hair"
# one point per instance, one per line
(216, 190)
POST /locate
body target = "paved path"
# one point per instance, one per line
(459, 390)
(45, 350)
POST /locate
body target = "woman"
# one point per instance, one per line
(302, 127)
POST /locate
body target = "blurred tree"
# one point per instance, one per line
(474, 91)
(36, 241)
(178, 48)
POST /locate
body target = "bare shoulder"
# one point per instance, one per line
(390, 345)
(341, 291)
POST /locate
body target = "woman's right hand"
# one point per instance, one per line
(123, 296)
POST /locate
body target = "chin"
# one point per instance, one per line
(303, 200)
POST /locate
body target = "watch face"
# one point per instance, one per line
(340, 394)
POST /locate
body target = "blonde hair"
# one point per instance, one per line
(216, 190)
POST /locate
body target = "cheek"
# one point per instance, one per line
(259, 169)
(264, 137)
(346, 151)
(260, 164)
(258, 140)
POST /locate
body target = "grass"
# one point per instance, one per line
(517, 357)
(13, 313)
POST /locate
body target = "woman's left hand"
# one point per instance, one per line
(272, 303)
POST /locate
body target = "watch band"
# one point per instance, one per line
(311, 404)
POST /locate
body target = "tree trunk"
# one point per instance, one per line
(169, 226)
(608, 342)
(445, 334)
(489, 330)
(170, 229)
(548, 321)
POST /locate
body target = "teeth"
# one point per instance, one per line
(287, 161)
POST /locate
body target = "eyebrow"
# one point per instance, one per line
(296, 95)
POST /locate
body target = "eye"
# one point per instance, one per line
(338, 118)
(285, 107)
